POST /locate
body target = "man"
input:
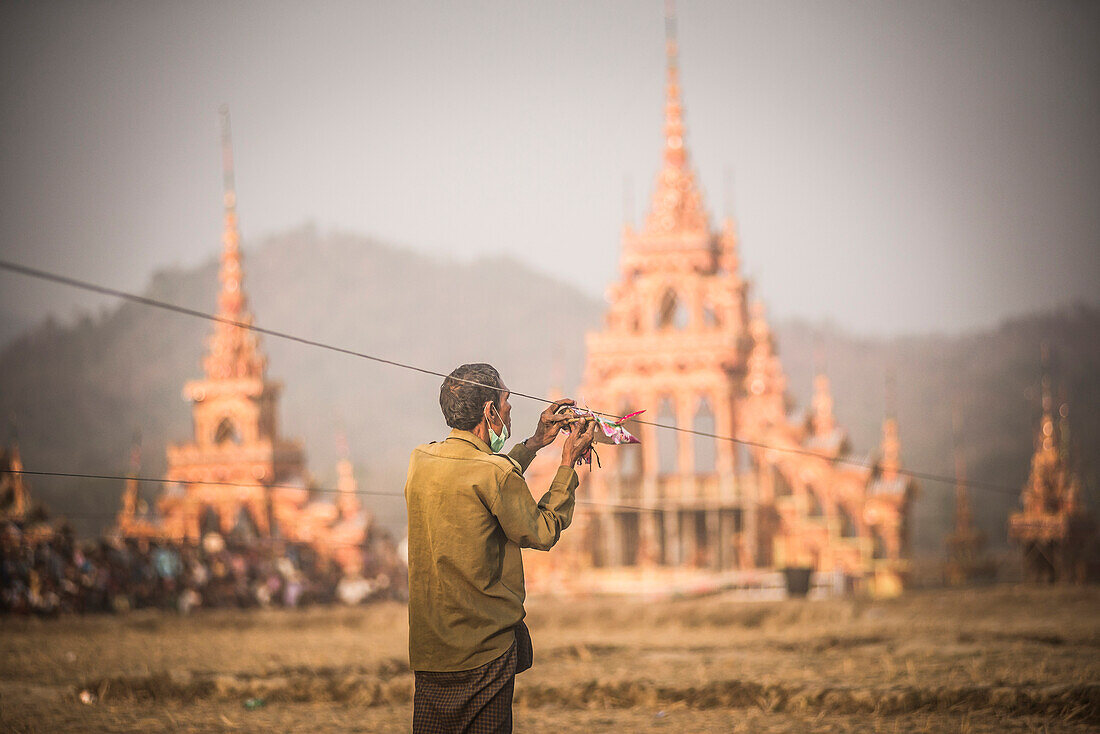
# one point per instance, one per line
(470, 512)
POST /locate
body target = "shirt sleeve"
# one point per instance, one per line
(531, 524)
(522, 456)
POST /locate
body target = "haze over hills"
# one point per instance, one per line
(80, 392)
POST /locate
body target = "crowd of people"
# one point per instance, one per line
(46, 571)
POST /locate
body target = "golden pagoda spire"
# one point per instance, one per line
(891, 444)
(677, 203)
(764, 379)
(675, 153)
(234, 350)
(823, 421)
(231, 299)
(348, 500)
(756, 379)
(1047, 426)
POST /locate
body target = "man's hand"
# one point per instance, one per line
(550, 424)
(580, 438)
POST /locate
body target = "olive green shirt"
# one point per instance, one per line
(470, 512)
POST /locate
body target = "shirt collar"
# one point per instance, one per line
(469, 437)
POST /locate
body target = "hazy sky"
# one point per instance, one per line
(893, 167)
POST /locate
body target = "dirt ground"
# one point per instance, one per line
(989, 660)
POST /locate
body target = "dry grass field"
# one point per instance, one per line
(988, 660)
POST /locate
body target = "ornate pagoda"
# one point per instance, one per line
(237, 475)
(1054, 530)
(682, 340)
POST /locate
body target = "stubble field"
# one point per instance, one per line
(988, 660)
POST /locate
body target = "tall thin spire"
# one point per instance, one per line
(348, 500)
(234, 351)
(677, 203)
(231, 299)
(228, 183)
(891, 444)
(1048, 402)
(823, 421)
(675, 154)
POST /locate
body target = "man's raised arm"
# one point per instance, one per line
(539, 525)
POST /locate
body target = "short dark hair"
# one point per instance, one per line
(465, 391)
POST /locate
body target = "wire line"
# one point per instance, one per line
(154, 303)
(323, 490)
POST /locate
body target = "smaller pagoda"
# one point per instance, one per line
(1054, 530)
(238, 476)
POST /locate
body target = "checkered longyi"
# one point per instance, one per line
(477, 701)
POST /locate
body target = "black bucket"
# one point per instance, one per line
(798, 580)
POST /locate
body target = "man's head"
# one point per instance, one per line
(474, 393)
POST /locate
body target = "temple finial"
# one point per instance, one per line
(1048, 401)
(348, 501)
(233, 350)
(231, 300)
(675, 154)
(823, 421)
(229, 185)
(677, 203)
(891, 444)
(670, 31)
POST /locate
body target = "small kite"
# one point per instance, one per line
(611, 431)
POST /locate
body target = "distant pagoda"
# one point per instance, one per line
(1055, 531)
(237, 475)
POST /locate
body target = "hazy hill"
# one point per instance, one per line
(80, 392)
(11, 326)
(991, 378)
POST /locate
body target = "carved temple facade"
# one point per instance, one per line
(683, 340)
(238, 474)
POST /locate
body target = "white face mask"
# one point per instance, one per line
(496, 440)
